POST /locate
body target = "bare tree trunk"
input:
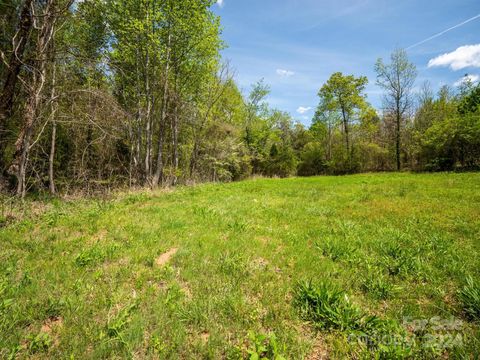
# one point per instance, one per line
(159, 170)
(12, 70)
(148, 130)
(175, 144)
(347, 136)
(22, 145)
(136, 127)
(397, 138)
(193, 159)
(15, 63)
(51, 158)
(18, 167)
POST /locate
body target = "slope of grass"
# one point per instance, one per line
(87, 281)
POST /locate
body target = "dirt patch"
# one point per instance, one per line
(52, 324)
(100, 236)
(264, 239)
(165, 257)
(259, 263)
(186, 290)
(319, 351)
(204, 336)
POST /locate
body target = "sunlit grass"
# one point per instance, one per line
(84, 280)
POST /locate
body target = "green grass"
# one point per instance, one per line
(265, 268)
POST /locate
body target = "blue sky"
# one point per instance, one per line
(295, 45)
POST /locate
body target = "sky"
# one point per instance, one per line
(295, 45)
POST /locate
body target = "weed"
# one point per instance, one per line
(116, 325)
(237, 226)
(469, 297)
(336, 250)
(234, 264)
(90, 256)
(156, 345)
(376, 286)
(264, 347)
(401, 260)
(39, 343)
(326, 307)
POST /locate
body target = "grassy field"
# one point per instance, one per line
(297, 268)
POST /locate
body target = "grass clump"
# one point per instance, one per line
(326, 307)
(469, 297)
(39, 343)
(378, 287)
(337, 250)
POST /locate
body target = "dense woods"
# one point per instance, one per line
(100, 94)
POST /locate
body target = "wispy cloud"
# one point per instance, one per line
(220, 3)
(285, 73)
(472, 78)
(463, 57)
(444, 31)
(302, 110)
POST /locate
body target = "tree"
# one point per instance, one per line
(16, 41)
(397, 79)
(344, 96)
(255, 122)
(44, 18)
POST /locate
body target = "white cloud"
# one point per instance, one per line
(285, 73)
(472, 78)
(302, 110)
(220, 3)
(463, 57)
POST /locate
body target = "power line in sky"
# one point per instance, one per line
(443, 32)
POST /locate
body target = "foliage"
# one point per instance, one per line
(264, 347)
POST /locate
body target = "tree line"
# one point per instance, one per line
(415, 130)
(100, 94)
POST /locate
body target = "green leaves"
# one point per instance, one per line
(327, 307)
(469, 297)
(264, 347)
(343, 94)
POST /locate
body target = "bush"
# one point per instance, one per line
(312, 160)
(282, 161)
